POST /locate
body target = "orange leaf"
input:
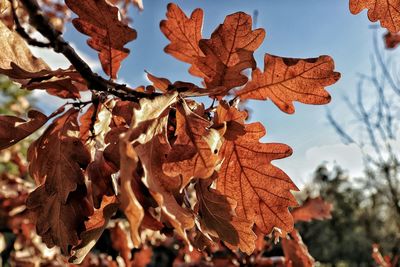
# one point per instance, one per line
(296, 251)
(387, 11)
(262, 191)
(229, 52)
(108, 35)
(14, 129)
(184, 34)
(285, 80)
(313, 209)
(195, 151)
(217, 218)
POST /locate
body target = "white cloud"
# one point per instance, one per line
(300, 167)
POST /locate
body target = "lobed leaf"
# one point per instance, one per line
(285, 80)
(386, 11)
(108, 35)
(262, 191)
(312, 209)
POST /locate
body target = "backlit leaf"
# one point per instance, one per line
(285, 80)
(108, 35)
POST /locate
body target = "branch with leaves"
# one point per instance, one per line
(152, 152)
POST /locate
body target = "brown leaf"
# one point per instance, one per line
(262, 191)
(14, 49)
(313, 209)
(184, 34)
(162, 187)
(195, 151)
(119, 242)
(158, 82)
(62, 83)
(108, 35)
(217, 218)
(56, 162)
(285, 80)
(387, 11)
(392, 40)
(14, 129)
(229, 52)
(296, 251)
(95, 226)
(129, 202)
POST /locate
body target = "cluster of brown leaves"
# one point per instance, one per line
(166, 162)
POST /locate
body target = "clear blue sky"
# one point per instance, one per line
(295, 28)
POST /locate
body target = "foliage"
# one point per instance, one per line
(150, 159)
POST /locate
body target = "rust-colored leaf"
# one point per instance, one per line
(229, 51)
(195, 151)
(14, 129)
(56, 162)
(64, 83)
(313, 209)
(386, 11)
(108, 35)
(184, 34)
(163, 187)
(95, 226)
(262, 191)
(217, 218)
(392, 40)
(285, 80)
(296, 251)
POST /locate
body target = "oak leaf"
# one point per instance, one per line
(312, 209)
(161, 186)
(94, 227)
(217, 218)
(64, 83)
(229, 51)
(14, 49)
(392, 40)
(195, 151)
(262, 191)
(56, 162)
(184, 34)
(14, 129)
(108, 35)
(386, 11)
(129, 203)
(296, 251)
(285, 80)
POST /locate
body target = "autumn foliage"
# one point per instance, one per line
(167, 162)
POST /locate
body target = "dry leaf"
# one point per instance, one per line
(14, 129)
(95, 226)
(262, 191)
(14, 49)
(285, 80)
(56, 162)
(229, 51)
(296, 251)
(108, 35)
(184, 34)
(386, 11)
(195, 151)
(312, 209)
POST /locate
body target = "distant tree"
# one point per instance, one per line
(358, 221)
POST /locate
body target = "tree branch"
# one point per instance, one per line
(59, 45)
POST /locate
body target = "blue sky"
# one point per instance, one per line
(295, 28)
